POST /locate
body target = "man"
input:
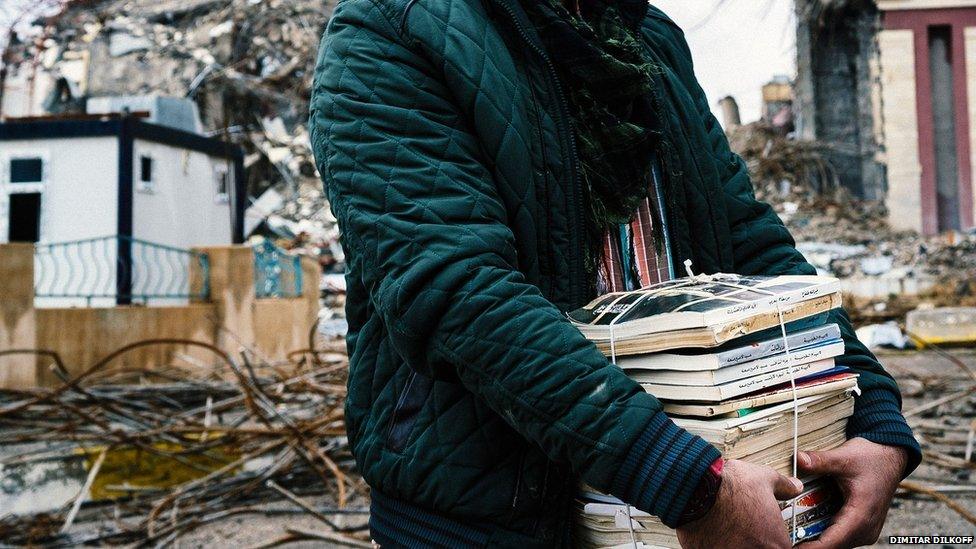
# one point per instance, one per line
(492, 164)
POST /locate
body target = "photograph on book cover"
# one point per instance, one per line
(729, 295)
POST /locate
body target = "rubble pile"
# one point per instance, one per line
(846, 237)
(115, 456)
(247, 64)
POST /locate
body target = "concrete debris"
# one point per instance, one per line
(262, 208)
(821, 254)
(247, 64)
(334, 282)
(887, 335)
(334, 327)
(221, 29)
(953, 325)
(876, 265)
(850, 238)
(124, 43)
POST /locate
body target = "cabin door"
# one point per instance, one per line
(24, 221)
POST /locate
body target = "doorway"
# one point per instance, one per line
(944, 123)
(24, 223)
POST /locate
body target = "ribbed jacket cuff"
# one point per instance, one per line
(395, 523)
(662, 469)
(877, 417)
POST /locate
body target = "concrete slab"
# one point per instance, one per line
(956, 325)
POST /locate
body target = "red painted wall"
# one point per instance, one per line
(919, 22)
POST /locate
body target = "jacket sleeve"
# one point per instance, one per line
(762, 245)
(425, 230)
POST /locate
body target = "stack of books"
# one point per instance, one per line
(602, 520)
(714, 353)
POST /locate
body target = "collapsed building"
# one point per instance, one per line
(884, 84)
(873, 171)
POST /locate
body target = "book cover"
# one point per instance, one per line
(740, 371)
(695, 360)
(641, 343)
(740, 387)
(685, 303)
(826, 383)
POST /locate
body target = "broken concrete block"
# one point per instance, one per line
(956, 325)
(878, 287)
(123, 43)
(888, 335)
(877, 265)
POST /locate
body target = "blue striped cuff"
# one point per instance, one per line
(662, 469)
(877, 417)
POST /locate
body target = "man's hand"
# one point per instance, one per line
(867, 474)
(746, 513)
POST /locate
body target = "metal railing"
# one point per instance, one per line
(276, 272)
(120, 268)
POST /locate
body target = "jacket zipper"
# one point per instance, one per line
(518, 481)
(577, 274)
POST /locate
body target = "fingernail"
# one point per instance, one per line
(797, 484)
(803, 459)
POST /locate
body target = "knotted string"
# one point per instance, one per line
(730, 280)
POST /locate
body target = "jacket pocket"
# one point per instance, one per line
(407, 410)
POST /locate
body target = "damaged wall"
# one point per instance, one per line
(888, 86)
(836, 75)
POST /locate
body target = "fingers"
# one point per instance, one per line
(822, 463)
(786, 487)
(842, 532)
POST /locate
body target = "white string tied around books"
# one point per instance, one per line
(732, 281)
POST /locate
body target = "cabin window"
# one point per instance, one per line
(221, 185)
(146, 173)
(27, 170)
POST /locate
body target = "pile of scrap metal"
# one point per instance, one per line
(120, 456)
(246, 64)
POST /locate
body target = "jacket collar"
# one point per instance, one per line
(633, 11)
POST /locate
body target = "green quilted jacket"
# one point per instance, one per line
(474, 407)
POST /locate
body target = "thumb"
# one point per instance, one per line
(820, 463)
(786, 487)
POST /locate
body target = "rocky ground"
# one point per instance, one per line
(253, 531)
(924, 377)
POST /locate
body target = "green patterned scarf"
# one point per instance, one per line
(608, 79)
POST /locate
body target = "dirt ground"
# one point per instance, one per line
(252, 531)
(912, 516)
